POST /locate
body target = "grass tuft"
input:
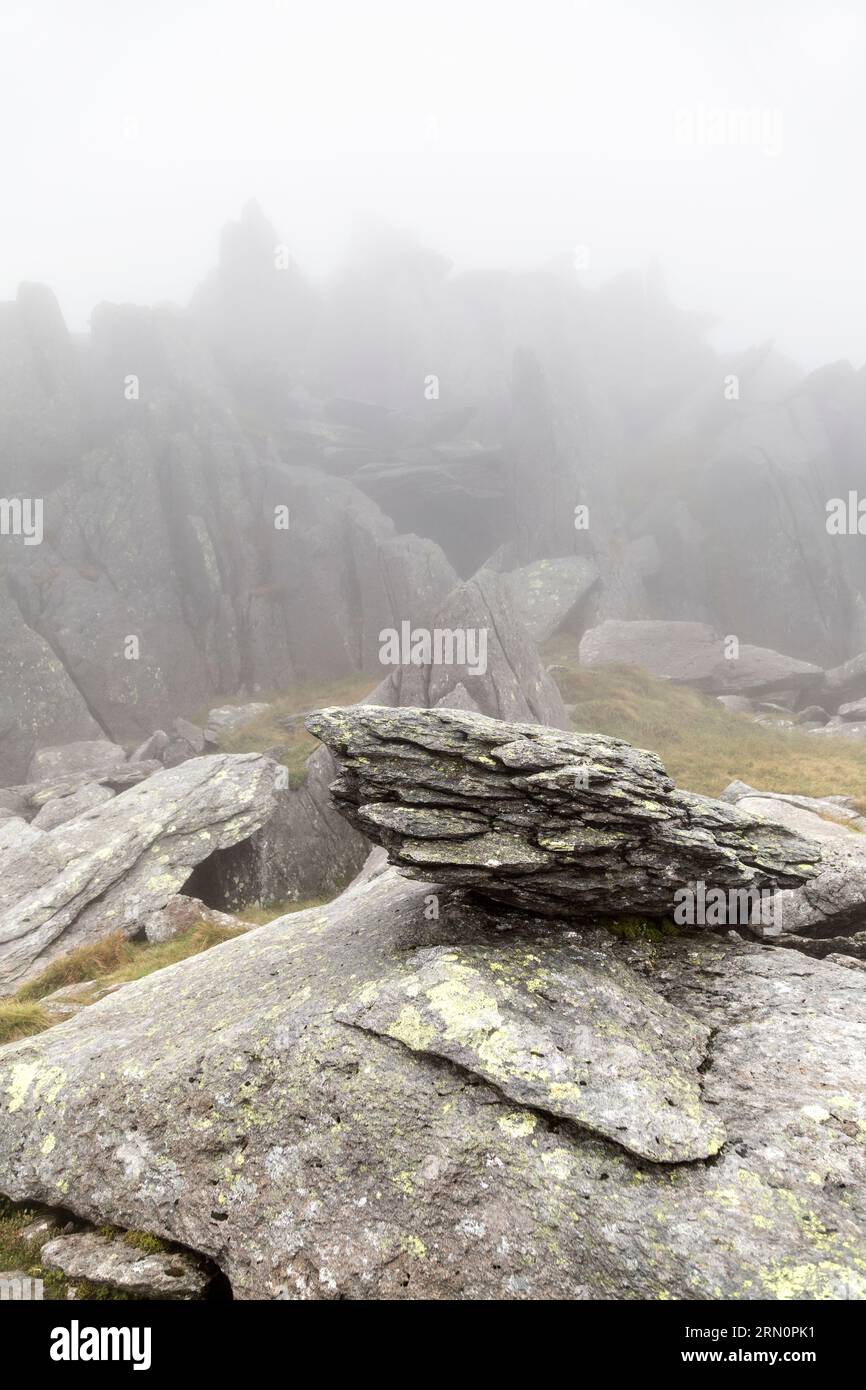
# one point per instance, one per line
(20, 1020)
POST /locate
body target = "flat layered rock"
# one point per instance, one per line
(572, 825)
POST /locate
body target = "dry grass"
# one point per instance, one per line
(702, 745)
(116, 961)
(20, 1020)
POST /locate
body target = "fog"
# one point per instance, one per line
(720, 142)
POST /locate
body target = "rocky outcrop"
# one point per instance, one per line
(116, 866)
(510, 682)
(572, 825)
(692, 654)
(392, 1098)
(39, 703)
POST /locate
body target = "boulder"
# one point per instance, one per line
(39, 702)
(846, 682)
(570, 825)
(68, 760)
(544, 593)
(192, 734)
(152, 748)
(854, 709)
(65, 808)
(692, 654)
(115, 1264)
(182, 913)
(391, 1098)
(114, 866)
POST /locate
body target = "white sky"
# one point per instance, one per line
(503, 131)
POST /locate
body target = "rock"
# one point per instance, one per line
(847, 961)
(18, 836)
(112, 868)
(191, 734)
(513, 683)
(800, 819)
(178, 750)
(152, 749)
(812, 714)
(846, 682)
(737, 704)
(832, 902)
(115, 779)
(833, 809)
(39, 703)
(839, 729)
(41, 1230)
(571, 825)
(229, 718)
(64, 808)
(692, 654)
(15, 801)
(305, 850)
(85, 758)
(182, 913)
(544, 593)
(110, 1261)
(855, 709)
(341, 1106)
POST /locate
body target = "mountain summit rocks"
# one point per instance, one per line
(564, 824)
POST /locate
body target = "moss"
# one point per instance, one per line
(630, 928)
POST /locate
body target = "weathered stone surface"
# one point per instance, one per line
(152, 748)
(574, 825)
(39, 703)
(577, 1037)
(692, 654)
(65, 808)
(111, 1261)
(545, 592)
(88, 757)
(192, 734)
(111, 868)
(315, 1158)
(854, 709)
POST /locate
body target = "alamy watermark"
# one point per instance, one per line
(714, 126)
(22, 516)
(438, 646)
(22, 1290)
(700, 906)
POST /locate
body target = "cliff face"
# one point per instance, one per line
(244, 493)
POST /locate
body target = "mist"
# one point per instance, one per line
(722, 143)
